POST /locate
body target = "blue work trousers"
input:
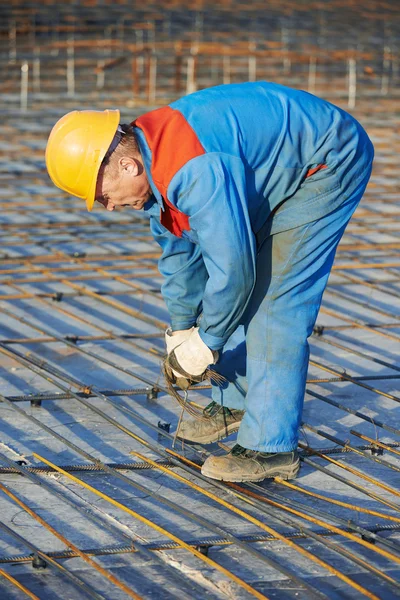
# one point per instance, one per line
(265, 361)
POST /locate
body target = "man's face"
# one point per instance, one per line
(126, 185)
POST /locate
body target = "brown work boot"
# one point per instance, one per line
(242, 464)
(220, 422)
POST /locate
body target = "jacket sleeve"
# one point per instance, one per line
(185, 276)
(211, 189)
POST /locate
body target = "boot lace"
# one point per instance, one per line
(239, 450)
(214, 408)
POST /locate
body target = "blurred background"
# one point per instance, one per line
(137, 53)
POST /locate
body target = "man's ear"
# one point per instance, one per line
(129, 165)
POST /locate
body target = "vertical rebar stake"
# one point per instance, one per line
(100, 74)
(226, 66)
(252, 63)
(24, 86)
(352, 79)
(71, 70)
(191, 85)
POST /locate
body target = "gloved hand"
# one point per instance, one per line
(188, 361)
(174, 338)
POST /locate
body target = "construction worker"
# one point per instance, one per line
(249, 188)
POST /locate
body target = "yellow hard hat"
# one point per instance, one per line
(75, 149)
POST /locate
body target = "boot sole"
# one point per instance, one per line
(209, 439)
(289, 472)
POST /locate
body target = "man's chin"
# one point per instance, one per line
(138, 205)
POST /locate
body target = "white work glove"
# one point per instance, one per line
(193, 356)
(174, 338)
(187, 363)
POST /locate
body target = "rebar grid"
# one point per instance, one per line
(81, 339)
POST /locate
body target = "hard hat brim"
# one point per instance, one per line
(91, 197)
(114, 117)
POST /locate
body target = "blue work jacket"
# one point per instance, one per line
(228, 166)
